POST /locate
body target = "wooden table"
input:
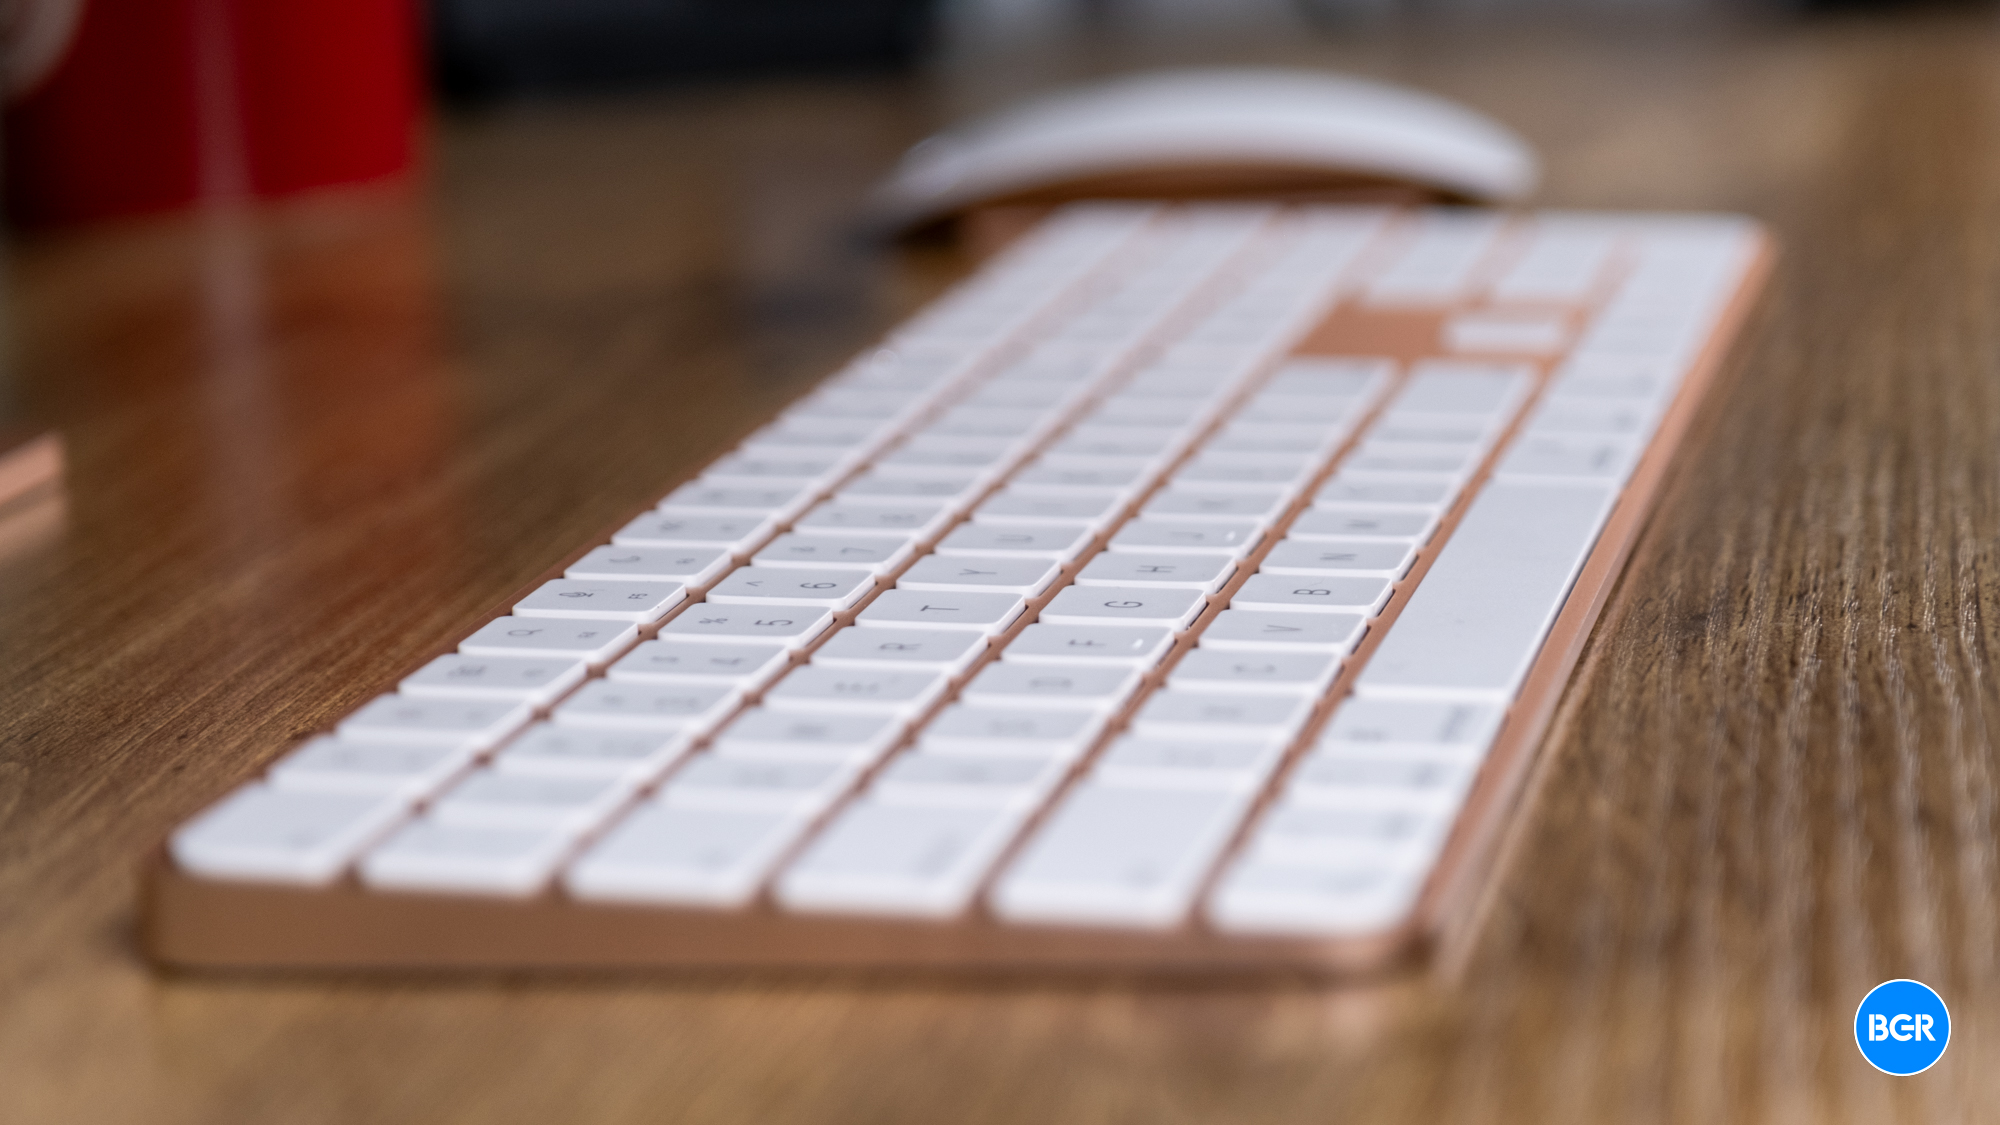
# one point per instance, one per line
(308, 444)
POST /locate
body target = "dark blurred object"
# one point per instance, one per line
(487, 48)
(143, 105)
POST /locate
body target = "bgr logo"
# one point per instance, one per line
(1902, 1027)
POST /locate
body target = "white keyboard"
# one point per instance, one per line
(1187, 589)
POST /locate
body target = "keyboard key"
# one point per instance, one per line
(948, 451)
(945, 651)
(1349, 780)
(528, 679)
(1343, 522)
(928, 609)
(1267, 897)
(1381, 558)
(709, 856)
(872, 690)
(800, 786)
(1412, 723)
(1569, 458)
(763, 733)
(1119, 856)
(740, 667)
(1057, 479)
(1249, 630)
(891, 520)
(1207, 537)
(1008, 684)
(1124, 605)
(593, 642)
(641, 602)
(944, 486)
(693, 566)
(723, 497)
(1204, 507)
(1201, 714)
(1285, 673)
(793, 628)
(443, 722)
(1345, 491)
(683, 529)
(433, 856)
(553, 751)
(1423, 460)
(1028, 508)
(1246, 471)
(518, 800)
(966, 779)
(290, 836)
(1311, 833)
(898, 859)
(792, 586)
(752, 468)
(1134, 646)
(1475, 623)
(1312, 594)
(615, 705)
(868, 553)
(1138, 760)
(976, 573)
(332, 765)
(1205, 573)
(965, 729)
(1047, 541)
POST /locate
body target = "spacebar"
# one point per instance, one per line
(1475, 623)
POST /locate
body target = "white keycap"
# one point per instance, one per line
(966, 779)
(1137, 442)
(1046, 541)
(1191, 714)
(524, 678)
(965, 729)
(1398, 781)
(1266, 897)
(1265, 437)
(1205, 573)
(943, 486)
(444, 722)
(1339, 521)
(1569, 458)
(980, 573)
(1176, 763)
(713, 857)
(1395, 722)
(1133, 646)
(940, 650)
(763, 733)
(1124, 605)
(897, 521)
(1353, 491)
(929, 609)
(948, 451)
(1386, 459)
(1204, 507)
(800, 786)
(1009, 684)
(1248, 630)
(753, 468)
(551, 751)
(1121, 856)
(1507, 333)
(1301, 832)
(1083, 509)
(793, 628)
(898, 859)
(1205, 537)
(517, 800)
(593, 642)
(792, 586)
(678, 529)
(1460, 430)
(640, 602)
(692, 566)
(1057, 479)
(1291, 410)
(289, 836)
(700, 662)
(1284, 673)
(332, 765)
(1462, 387)
(870, 690)
(870, 553)
(1247, 471)
(728, 497)
(1477, 620)
(1380, 558)
(617, 705)
(483, 859)
(1312, 594)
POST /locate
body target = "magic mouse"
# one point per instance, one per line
(1258, 132)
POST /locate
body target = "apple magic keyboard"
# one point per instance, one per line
(1186, 591)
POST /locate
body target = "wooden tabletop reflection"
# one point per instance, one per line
(311, 442)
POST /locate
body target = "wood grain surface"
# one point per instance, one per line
(309, 443)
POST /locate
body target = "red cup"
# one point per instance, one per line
(147, 105)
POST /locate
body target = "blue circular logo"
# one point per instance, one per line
(1902, 1027)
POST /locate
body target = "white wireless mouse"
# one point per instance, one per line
(1208, 132)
